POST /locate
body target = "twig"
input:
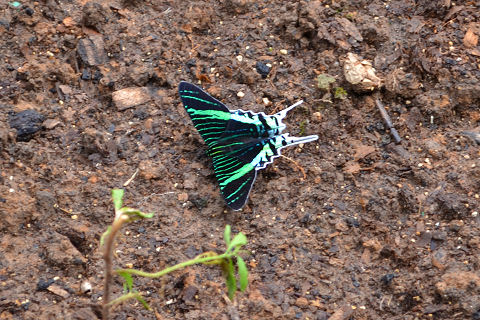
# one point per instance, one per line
(297, 165)
(388, 121)
(131, 178)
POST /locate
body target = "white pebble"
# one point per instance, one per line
(283, 51)
(239, 58)
(240, 94)
(86, 287)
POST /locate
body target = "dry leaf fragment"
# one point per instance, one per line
(470, 39)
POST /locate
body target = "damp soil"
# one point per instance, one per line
(355, 225)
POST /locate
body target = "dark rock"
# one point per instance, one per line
(29, 11)
(92, 50)
(387, 279)
(44, 284)
(191, 63)
(476, 315)
(86, 75)
(26, 123)
(262, 69)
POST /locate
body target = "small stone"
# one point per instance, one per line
(59, 291)
(360, 74)
(182, 197)
(240, 94)
(439, 259)
(283, 51)
(86, 287)
(262, 68)
(44, 284)
(66, 90)
(455, 225)
(317, 116)
(130, 97)
(266, 101)
(26, 123)
(439, 235)
(239, 58)
(51, 123)
(301, 302)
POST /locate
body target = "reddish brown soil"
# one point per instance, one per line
(356, 227)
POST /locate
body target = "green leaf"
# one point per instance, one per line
(128, 285)
(239, 240)
(136, 214)
(230, 278)
(227, 235)
(142, 301)
(242, 273)
(117, 195)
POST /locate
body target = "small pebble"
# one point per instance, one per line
(283, 51)
(263, 69)
(86, 287)
(317, 116)
(239, 58)
(240, 94)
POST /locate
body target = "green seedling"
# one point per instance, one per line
(225, 261)
(324, 80)
(303, 127)
(340, 93)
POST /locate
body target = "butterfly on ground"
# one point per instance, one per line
(239, 142)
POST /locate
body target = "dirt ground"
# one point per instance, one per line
(351, 226)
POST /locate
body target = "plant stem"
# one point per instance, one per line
(123, 298)
(176, 267)
(107, 256)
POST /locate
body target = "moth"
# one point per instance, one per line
(239, 142)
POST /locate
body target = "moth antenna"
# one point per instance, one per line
(282, 114)
(298, 140)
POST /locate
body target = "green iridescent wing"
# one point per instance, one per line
(240, 142)
(210, 117)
